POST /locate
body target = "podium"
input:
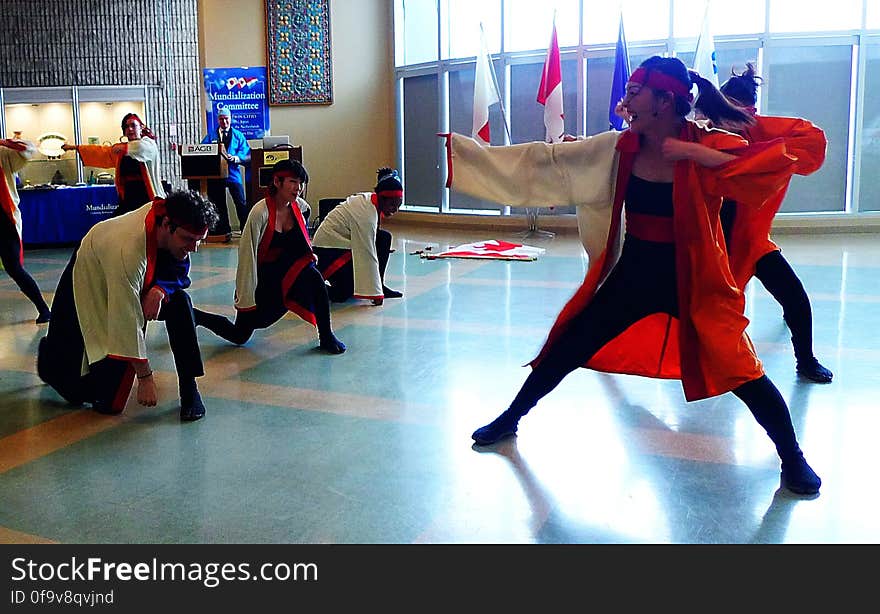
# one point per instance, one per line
(262, 161)
(201, 162)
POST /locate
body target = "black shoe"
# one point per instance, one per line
(44, 317)
(192, 408)
(389, 293)
(503, 426)
(799, 477)
(812, 370)
(331, 345)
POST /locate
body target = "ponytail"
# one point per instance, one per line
(743, 88)
(714, 105)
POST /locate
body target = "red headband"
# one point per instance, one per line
(390, 193)
(160, 210)
(661, 81)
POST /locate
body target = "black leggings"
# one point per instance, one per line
(309, 282)
(10, 254)
(780, 280)
(342, 281)
(642, 284)
(783, 284)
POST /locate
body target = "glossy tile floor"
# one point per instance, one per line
(374, 446)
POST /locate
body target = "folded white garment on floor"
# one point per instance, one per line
(489, 250)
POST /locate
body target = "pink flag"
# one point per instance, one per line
(485, 94)
(550, 92)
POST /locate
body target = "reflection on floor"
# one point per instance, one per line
(373, 446)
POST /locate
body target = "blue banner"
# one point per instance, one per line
(621, 76)
(243, 91)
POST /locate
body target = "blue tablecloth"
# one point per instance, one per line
(64, 215)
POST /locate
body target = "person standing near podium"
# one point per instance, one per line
(235, 150)
(14, 154)
(136, 162)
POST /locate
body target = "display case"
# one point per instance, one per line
(51, 116)
(44, 116)
(61, 199)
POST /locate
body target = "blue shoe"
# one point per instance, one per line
(389, 293)
(812, 370)
(331, 345)
(503, 426)
(799, 477)
(192, 408)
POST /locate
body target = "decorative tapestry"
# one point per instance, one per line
(298, 46)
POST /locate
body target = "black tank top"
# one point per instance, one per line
(649, 197)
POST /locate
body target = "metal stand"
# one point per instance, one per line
(533, 231)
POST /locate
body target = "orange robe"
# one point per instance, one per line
(751, 227)
(706, 346)
(144, 152)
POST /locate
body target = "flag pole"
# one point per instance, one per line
(497, 89)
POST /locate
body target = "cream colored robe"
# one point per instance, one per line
(11, 162)
(352, 224)
(248, 247)
(580, 173)
(108, 278)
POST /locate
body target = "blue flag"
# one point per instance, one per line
(621, 75)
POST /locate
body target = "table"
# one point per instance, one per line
(62, 216)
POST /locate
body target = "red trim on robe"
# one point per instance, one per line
(294, 271)
(337, 264)
(124, 389)
(148, 183)
(449, 167)
(8, 206)
(152, 247)
(117, 179)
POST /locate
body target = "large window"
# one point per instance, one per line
(420, 96)
(869, 193)
(794, 75)
(790, 16)
(820, 64)
(415, 31)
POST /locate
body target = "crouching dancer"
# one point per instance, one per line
(276, 267)
(126, 271)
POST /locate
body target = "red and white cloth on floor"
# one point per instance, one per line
(489, 250)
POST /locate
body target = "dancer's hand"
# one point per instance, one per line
(152, 303)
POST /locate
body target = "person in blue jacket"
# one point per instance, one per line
(238, 154)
